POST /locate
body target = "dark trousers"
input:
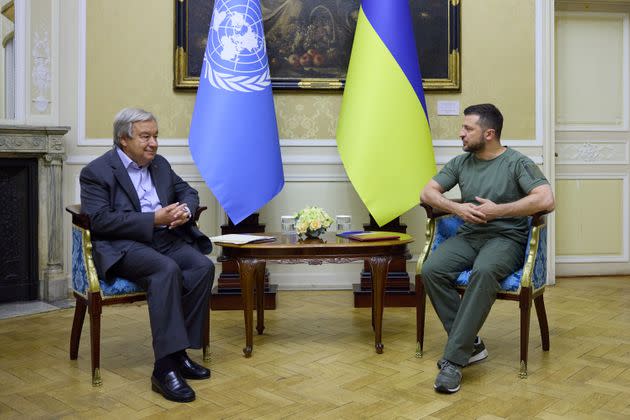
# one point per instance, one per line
(178, 279)
(492, 259)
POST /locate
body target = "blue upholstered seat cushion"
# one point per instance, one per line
(510, 284)
(447, 226)
(119, 286)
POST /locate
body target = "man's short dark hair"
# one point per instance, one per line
(489, 117)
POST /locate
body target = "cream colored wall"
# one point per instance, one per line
(129, 62)
(498, 66)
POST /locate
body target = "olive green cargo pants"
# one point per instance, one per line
(492, 259)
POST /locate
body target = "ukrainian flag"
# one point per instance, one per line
(383, 134)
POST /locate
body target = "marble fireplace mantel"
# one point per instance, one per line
(46, 144)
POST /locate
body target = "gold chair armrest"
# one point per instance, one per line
(432, 214)
(82, 222)
(538, 223)
(429, 235)
(90, 268)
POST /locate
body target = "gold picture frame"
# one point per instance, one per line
(309, 41)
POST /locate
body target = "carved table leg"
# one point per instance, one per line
(248, 268)
(379, 267)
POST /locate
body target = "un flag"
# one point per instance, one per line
(233, 134)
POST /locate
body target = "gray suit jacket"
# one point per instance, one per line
(116, 220)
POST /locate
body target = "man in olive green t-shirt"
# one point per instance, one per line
(499, 187)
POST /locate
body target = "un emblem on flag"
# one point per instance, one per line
(236, 55)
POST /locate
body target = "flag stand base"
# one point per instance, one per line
(230, 299)
(392, 299)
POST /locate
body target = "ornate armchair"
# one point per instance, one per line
(524, 286)
(93, 293)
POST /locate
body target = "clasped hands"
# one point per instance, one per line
(479, 213)
(173, 215)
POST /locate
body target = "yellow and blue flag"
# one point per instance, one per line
(233, 133)
(383, 134)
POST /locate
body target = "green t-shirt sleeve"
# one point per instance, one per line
(448, 175)
(529, 175)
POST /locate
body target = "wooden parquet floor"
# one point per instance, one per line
(317, 360)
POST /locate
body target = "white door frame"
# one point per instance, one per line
(545, 103)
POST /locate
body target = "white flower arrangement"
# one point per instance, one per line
(312, 221)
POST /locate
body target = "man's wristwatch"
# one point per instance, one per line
(188, 213)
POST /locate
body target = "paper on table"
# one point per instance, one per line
(240, 239)
(369, 236)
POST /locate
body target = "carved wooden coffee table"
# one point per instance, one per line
(289, 249)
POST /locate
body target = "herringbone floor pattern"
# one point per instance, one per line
(317, 360)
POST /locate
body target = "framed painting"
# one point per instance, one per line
(309, 41)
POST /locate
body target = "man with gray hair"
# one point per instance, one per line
(140, 212)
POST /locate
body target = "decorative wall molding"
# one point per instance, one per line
(603, 258)
(100, 142)
(505, 142)
(618, 122)
(545, 110)
(40, 70)
(191, 178)
(593, 152)
(437, 143)
(81, 70)
(306, 160)
(82, 160)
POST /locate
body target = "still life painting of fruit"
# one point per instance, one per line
(309, 38)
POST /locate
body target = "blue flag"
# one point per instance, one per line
(233, 133)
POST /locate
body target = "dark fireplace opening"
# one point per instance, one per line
(18, 230)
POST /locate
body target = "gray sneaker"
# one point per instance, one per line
(449, 378)
(478, 354)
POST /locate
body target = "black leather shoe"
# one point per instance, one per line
(190, 369)
(173, 387)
